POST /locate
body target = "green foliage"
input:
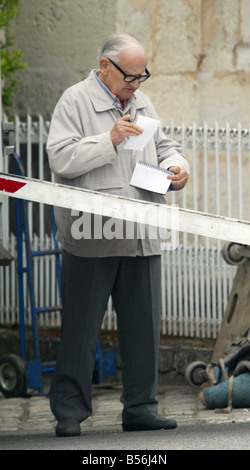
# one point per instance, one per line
(7, 11)
(11, 59)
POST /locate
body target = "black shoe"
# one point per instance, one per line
(148, 422)
(68, 427)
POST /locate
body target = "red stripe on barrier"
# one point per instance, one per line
(10, 186)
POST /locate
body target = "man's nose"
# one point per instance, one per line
(135, 84)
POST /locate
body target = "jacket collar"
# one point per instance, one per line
(100, 99)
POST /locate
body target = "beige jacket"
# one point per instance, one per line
(81, 154)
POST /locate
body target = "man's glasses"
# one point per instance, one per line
(131, 78)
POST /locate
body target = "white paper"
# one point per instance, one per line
(138, 142)
(150, 178)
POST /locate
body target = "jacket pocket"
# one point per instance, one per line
(107, 178)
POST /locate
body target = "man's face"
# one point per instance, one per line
(132, 63)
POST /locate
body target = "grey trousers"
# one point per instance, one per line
(135, 286)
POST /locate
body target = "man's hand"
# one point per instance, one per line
(180, 177)
(123, 128)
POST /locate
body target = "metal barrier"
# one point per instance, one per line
(196, 281)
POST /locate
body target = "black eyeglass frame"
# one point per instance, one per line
(140, 78)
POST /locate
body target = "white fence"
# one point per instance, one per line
(196, 281)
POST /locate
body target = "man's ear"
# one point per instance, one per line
(104, 65)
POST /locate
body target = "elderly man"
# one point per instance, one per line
(89, 126)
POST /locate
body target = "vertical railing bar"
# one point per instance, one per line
(29, 174)
(47, 276)
(169, 291)
(174, 296)
(202, 291)
(36, 271)
(184, 269)
(27, 312)
(213, 287)
(207, 244)
(179, 293)
(180, 272)
(17, 134)
(42, 234)
(191, 297)
(218, 318)
(228, 157)
(185, 291)
(217, 169)
(197, 319)
(41, 176)
(240, 181)
(17, 127)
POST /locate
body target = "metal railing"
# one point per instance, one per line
(196, 281)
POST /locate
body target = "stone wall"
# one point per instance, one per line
(198, 53)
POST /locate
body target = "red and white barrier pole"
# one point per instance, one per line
(164, 216)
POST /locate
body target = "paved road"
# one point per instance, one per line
(27, 424)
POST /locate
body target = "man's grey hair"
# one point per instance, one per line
(116, 43)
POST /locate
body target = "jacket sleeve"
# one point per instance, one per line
(72, 154)
(170, 153)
